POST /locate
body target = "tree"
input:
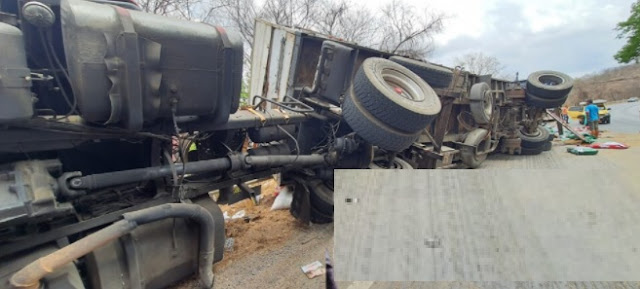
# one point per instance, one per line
(480, 64)
(399, 28)
(195, 10)
(407, 32)
(341, 20)
(630, 29)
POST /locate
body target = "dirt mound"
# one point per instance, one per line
(260, 230)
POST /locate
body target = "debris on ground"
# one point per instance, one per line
(238, 215)
(313, 270)
(582, 151)
(260, 229)
(283, 199)
(609, 145)
(572, 141)
(588, 138)
(228, 244)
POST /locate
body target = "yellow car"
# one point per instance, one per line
(577, 112)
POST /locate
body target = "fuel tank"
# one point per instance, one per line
(16, 102)
(129, 68)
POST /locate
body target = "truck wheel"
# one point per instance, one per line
(476, 138)
(481, 104)
(373, 130)
(318, 217)
(395, 95)
(398, 164)
(549, 84)
(535, 140)
(321, 196)
(436, 76)
(536, 101)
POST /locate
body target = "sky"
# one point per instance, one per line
(576, 37)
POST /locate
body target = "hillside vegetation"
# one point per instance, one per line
(612, 84)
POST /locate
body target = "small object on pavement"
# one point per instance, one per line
(313, 270)
(351, 200)
(283, 200)
(432, 242)
(228, 244)
(609, 145)
(226, 216)
(582, 151)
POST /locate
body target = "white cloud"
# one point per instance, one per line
(573, 36)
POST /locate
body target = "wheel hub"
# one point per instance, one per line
(402, 85)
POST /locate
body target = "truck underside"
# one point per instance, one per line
(100, 104)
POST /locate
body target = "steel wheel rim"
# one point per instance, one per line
(551, 79)
(395, 79)
(488, 107)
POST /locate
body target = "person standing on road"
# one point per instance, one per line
(565, 114)
(592, 117)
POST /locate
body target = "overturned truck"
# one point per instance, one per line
(95, 95)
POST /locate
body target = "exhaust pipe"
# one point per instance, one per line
(29, 276)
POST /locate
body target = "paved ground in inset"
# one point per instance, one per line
(486, 225)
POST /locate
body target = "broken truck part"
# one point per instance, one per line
(116, 124)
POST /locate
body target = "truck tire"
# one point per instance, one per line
(481, 104)
(398, 164)
(535, 101)
(547, 84)
(319, 217)
(436, 76)
(395, 95)
(546, 146)
(321, 196)
(535, 141)
(373, 130)
(474, 138)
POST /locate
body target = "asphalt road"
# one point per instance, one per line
(625, 118)
(486, 225)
